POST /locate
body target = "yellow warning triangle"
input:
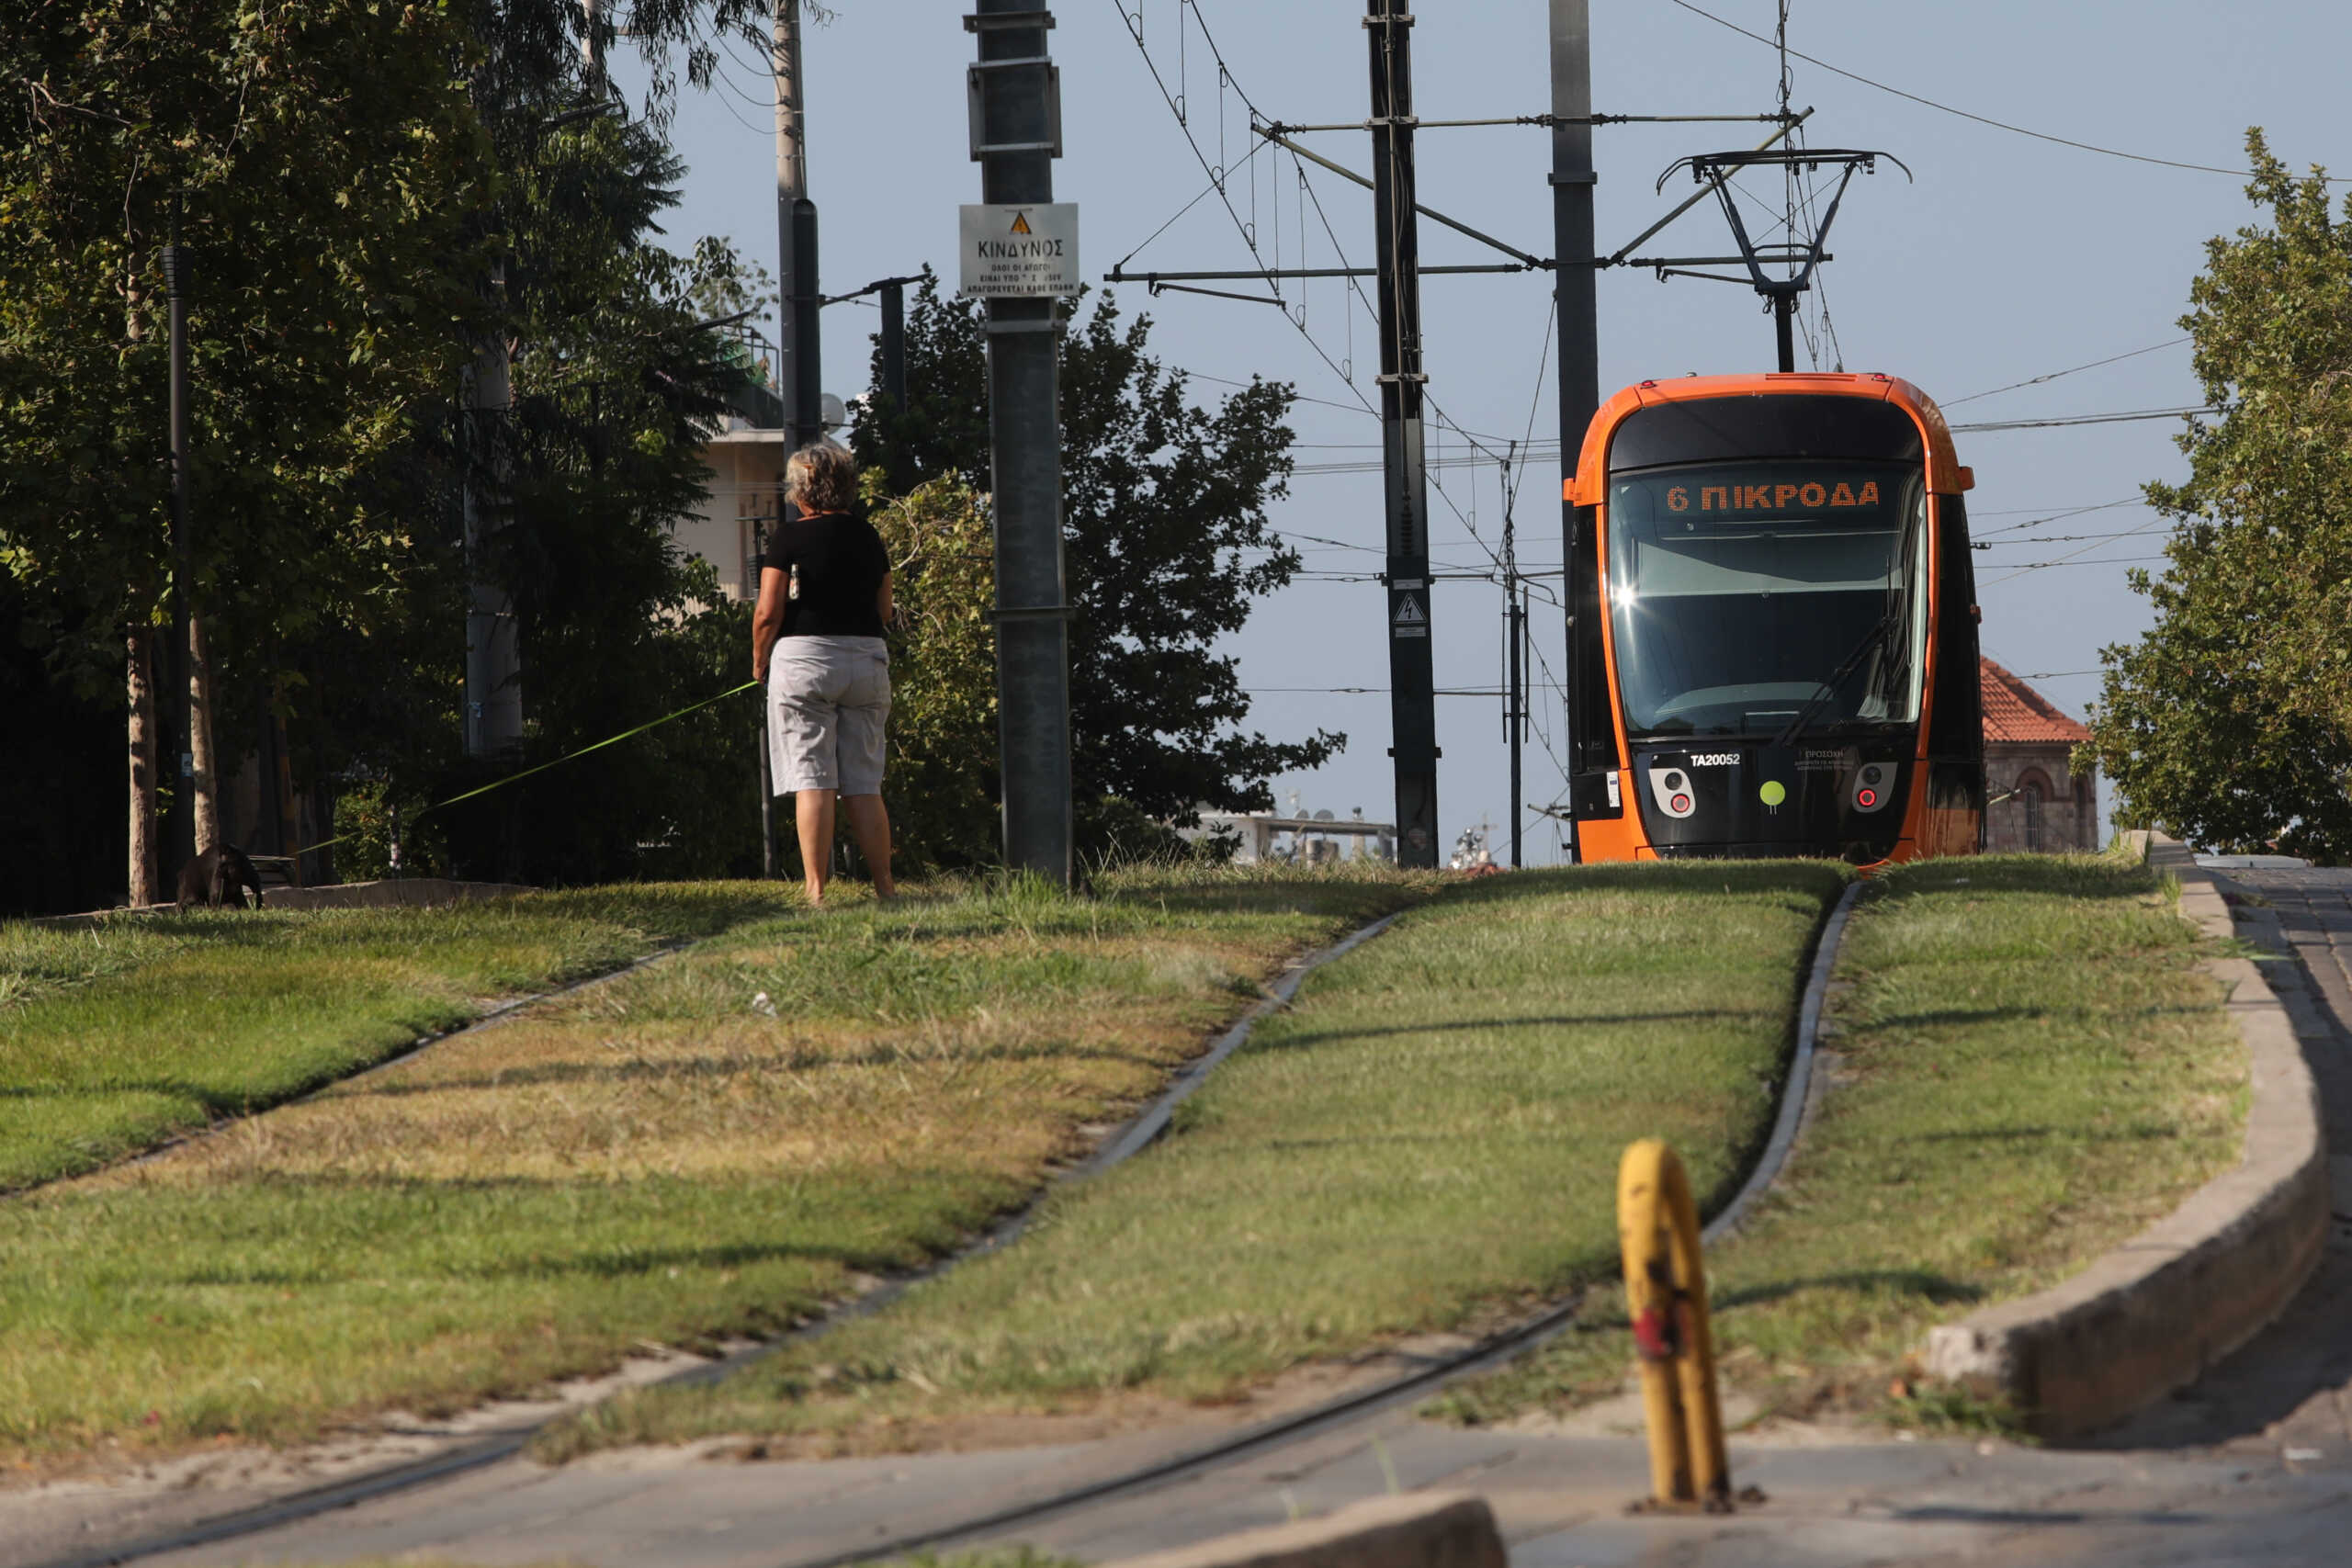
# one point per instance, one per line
(1021, 223)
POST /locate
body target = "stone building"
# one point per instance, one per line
(2037, 802)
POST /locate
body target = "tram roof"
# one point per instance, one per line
(1588, 485)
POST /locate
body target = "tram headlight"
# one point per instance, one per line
(1874, 783)
(1670, 790)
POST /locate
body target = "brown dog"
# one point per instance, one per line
(219, 876)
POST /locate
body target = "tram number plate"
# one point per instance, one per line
(1715, 758)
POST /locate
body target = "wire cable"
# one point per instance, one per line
(2086, 419)
(2052, 376)
(1984, 119)
(2056, 516)
(1217, 176)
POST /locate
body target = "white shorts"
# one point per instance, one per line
(829, 698)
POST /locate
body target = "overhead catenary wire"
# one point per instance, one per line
(2054, 374)
(2064, 421)
(2054, 516)
(1981, 119)
(1216, 175)
(2067, 560)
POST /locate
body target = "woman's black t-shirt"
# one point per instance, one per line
(842, 563)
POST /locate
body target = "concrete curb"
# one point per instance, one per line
(2154, 1314)
(1437, 1529)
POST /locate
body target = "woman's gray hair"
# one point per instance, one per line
(822, 477)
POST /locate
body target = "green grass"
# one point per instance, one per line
(654, 1159)
(2032, 1069)
(116, 1037)
(1432, 1133)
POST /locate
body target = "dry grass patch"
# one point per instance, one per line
(117, 1037)
(1427, 1138)
(659, 1158)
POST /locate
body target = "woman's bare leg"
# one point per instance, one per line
(869, 824)
(814, 810)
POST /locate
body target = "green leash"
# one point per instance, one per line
(543, 767)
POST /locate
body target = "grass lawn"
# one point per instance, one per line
(660, 1157)
(115, 1038)
(2031, 1070)
(1431, 1133)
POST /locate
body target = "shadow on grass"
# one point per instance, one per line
(723, 1067)
(1743, 1016)
(2152, 1134)
(1969, 1018)
(622, 1264)
(1813, 880)
(1271, 897)
(1915, 1283)
(2068, 876)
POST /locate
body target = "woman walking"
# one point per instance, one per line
(817, 641)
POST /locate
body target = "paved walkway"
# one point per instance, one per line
(2252, 1466)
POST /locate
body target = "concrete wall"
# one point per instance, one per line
(2069, 804)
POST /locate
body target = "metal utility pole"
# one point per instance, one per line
(1015, 116)
(493, 656)
(1514, 693)
(1412, 703)
(799, 348)
(891, 380)
(894, 343)
(798, 370)
(1576, 285)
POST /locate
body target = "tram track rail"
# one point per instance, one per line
(1800, 1098)
(466, 1458)
(1799, 1095)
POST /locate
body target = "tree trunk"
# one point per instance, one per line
(289, 825)
(204, 785)
(138, 685)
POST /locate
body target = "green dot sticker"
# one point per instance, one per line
(1773, 792)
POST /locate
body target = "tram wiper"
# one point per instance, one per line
(1806, 715)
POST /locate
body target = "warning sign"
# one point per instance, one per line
(1018, 252)
(1407, 618)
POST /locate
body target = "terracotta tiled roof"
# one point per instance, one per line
(2016, 712)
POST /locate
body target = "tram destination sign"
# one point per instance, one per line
(1018, 252)
(1743, 492)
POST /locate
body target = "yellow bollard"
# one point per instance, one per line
(1666, 1295)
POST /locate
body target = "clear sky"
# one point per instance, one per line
(2009, 258)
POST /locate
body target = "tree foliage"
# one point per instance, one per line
(942, 782)
(368, 190)
(2230, 723)
(614, 388)
(1166, 540)
(325, 161)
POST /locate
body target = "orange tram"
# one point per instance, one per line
(1772, 633)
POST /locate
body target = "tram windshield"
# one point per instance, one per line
(1760, 597)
